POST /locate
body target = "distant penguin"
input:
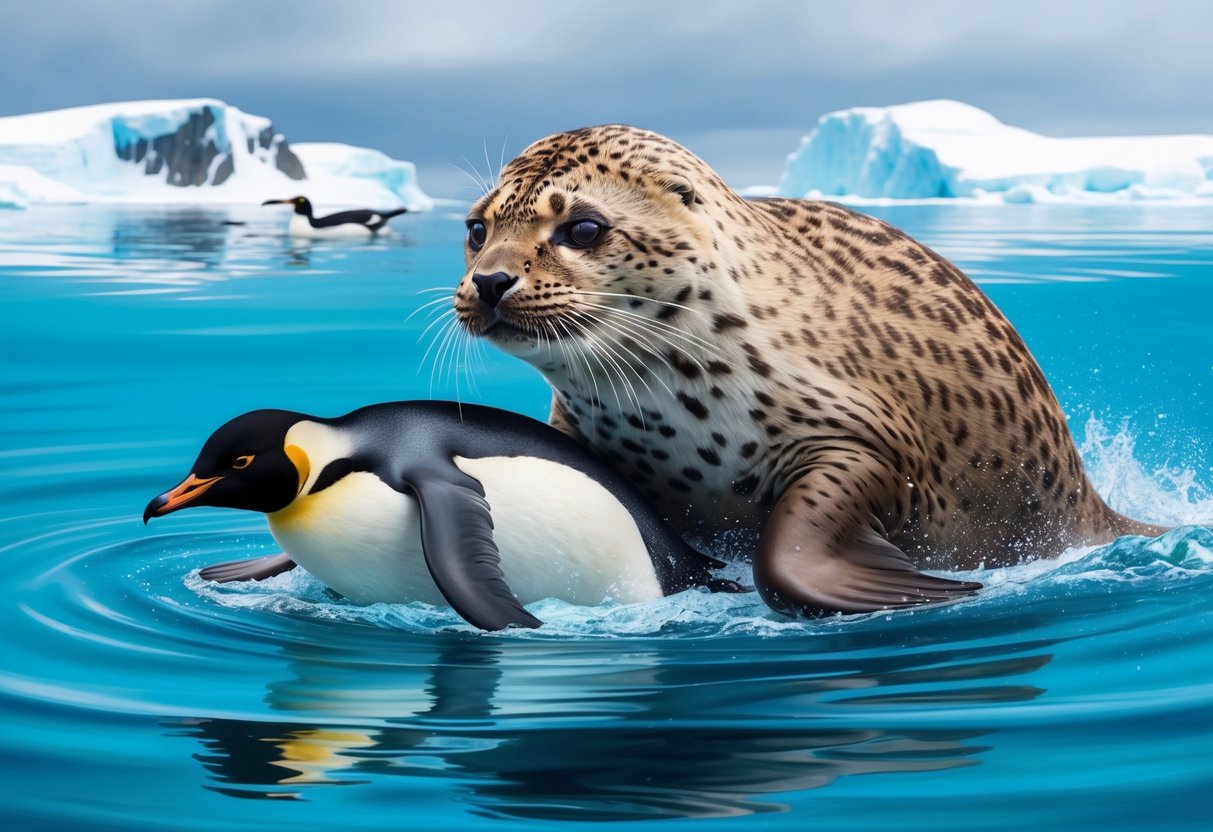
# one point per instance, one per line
(360, 223)
(431, 501)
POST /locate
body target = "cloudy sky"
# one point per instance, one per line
(441, 83)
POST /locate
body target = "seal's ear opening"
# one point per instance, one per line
(682, 187)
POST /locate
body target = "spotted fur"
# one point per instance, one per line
(743, 354)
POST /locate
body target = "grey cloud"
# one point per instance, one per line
(738, 82)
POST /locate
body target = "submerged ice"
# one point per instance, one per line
(947, 149)
(191, 150)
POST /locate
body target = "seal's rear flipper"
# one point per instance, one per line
(819, 554)
(253, 569)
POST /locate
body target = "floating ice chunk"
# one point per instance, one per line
(19, 186)
(362, 170)
(185, 151)
(947, 149)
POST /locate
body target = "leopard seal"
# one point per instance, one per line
(805, 374)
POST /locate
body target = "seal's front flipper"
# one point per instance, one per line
(457, 538)
(252, 569)
(819, 553)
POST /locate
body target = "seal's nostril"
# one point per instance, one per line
(492, 287)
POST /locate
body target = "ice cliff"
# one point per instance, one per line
(946, 149)
(186, 151)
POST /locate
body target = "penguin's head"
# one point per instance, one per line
(245, 464)
(301, 204)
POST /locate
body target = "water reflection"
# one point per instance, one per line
(168, 249)
(527, 731)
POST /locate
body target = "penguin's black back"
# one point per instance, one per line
(371, 219)
(429, 434)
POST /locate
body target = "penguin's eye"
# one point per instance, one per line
(583, 233)
(477, 234)
(242, 462)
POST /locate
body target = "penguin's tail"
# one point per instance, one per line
(387, 215)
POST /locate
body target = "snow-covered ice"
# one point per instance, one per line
(947, 149)
(357, 170)
(187, 151)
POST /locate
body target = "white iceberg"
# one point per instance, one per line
(947, 149)
(186, 151)
(353, 171)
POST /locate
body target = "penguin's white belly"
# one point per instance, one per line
(560, 534)
(301, 227)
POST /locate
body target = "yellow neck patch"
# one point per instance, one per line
(302, 465)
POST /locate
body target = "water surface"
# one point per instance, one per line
(1074, 692)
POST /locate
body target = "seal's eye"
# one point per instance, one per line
(477, 234)
(243, 462)
(584, 233)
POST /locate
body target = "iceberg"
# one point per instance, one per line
(361, 170)
(186, 151)
(948, 149)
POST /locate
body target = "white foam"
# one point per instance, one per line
(1166, 496)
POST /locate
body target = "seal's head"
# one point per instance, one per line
(594, 231)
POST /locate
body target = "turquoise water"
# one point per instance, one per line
(1073, 693)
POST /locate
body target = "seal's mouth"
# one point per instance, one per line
(499, 326)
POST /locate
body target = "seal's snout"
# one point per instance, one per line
(492, 288)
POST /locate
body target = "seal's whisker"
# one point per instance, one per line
(600, 352)
(440, 341)
(433, 340)
(442, 314)
(448, 333)
(638, 333)
(478, 352)
(589, 372)
(672, 330)
(469, 349)
(427, 305)
(669, 303)
(619, 362)
(432, 346)
(654, 323)
(665, 336)
(640, 323)
(614, 337)
(476, 180)
(588, 353)
(484, 186)
(640, 342)
(488, 164)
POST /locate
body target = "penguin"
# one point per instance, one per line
(475, 507)
(360, 223)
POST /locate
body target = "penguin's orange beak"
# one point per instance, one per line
(180, 497)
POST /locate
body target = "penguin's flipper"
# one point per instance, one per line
(252, 569)
(457, 538)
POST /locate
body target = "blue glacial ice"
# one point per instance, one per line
(186, 151)
(947, 149)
